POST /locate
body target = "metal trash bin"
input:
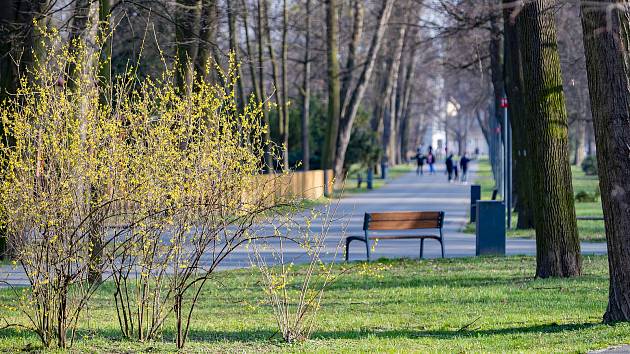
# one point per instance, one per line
(490, 228)
(475, 195)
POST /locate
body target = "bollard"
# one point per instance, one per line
(370, 177)
(384, 168)
(490, 228)
(475, 195)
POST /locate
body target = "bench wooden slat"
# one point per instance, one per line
(401, 237)
(403, 224)
(404, 215)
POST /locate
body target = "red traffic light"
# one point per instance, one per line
(504, 103)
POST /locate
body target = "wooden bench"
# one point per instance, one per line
(398, 221)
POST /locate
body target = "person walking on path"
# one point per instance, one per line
(430, 162)
(463, 163)
(420, 160)
(449, 167)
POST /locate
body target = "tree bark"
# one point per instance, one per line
(389, 121)
(187, 34)
(579, 142)
(275, 72)
(410, 74)
(514, 88)
(285, 88)
(351, 106)
(235, 52)
(557, 242)
(207, 42)
(606, 31)
(261, 76)
(250, 52)
(306, 91)
(496, 63)
(357, 33)
(334, 91)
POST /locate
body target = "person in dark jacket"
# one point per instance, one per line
(449, 167)
(420, 160)
(463, 164)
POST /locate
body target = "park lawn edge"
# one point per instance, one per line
(483, 304)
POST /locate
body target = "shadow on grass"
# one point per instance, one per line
(452, 334)
(272, 337)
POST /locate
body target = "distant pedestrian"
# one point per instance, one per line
(430, 161)
(463, 163)
(449, 167)
(420, 161)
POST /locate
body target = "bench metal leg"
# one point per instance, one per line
(367, 248)
(442, 242)
(421, 247)
(355, 238)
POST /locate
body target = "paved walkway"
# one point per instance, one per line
(409, 192)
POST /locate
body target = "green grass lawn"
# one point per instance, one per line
(393, 172)
(451, 305)
(588, 230)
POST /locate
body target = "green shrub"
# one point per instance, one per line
(589, 166)
(585, 197)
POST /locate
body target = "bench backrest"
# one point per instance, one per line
(403, 220)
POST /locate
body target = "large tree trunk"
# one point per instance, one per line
(306, 90)
(557, 242)
(334, 91)
(351, 104)
(520, 147)
(606, 43)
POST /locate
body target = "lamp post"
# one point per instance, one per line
(507, 162)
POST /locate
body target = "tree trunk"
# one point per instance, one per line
(557, 242)
(285, 88)
(250, 52)
(579, 142)
(207, 42)
(351, 104)
(496, 63)
(334, 104)
(279, 97)
(306, 91)
(520, 147)
(357, 33)
(389, 118)
(187, 35)
(235, 52)
(261, 77)
(606, 28)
